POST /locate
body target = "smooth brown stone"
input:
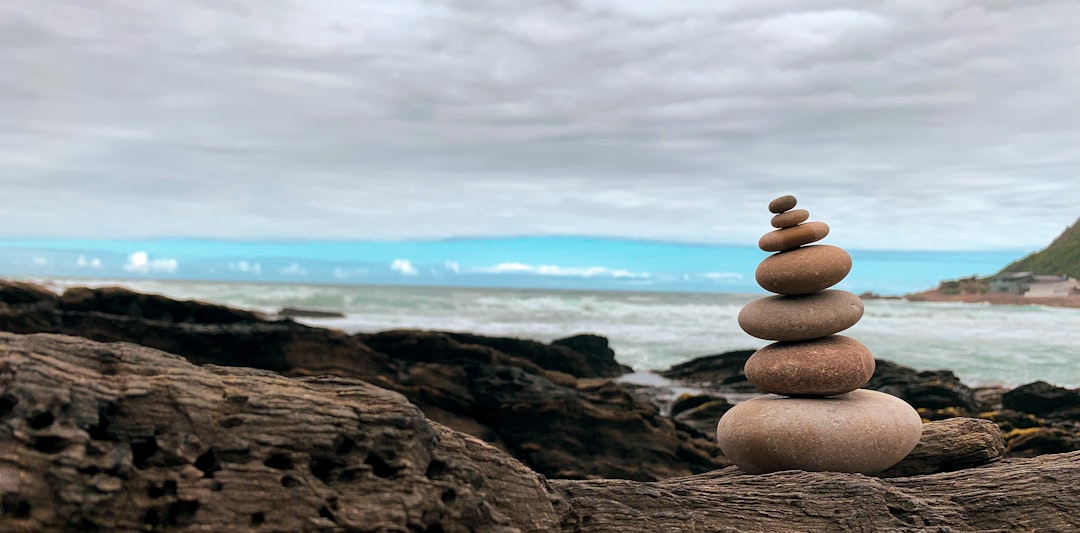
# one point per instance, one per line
(793, 237)
(783, 203)
(862, 431)
(790, 218)
(799, 318)
(803, 270)
(819, 367)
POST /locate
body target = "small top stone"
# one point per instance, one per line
(782, 204)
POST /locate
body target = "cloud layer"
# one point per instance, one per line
(904, 124)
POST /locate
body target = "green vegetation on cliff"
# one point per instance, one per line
(1061, 257)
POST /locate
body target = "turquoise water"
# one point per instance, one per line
(523, 262)
(983, 344)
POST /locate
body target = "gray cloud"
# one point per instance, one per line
(910, 124)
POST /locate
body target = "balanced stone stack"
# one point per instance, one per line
(816, 417)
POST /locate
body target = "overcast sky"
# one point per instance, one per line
(910, 124)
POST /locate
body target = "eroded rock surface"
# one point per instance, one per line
(119, 437)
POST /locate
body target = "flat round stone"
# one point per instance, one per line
(793, 237)
(800, 318)
(819, 367)
(790, 218)
(781, 204)
(803, 270)
(862, 431)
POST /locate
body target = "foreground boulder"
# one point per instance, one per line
(119, 437)
(952, 444)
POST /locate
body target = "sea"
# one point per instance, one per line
(984, 345)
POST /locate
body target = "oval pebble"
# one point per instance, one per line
(819, 367)
(783, 203)
(790, 218)
(862, 431)
(793, 237)
(799, 318)
(803, 270)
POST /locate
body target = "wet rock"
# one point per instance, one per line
(599, 357)
(1030, 442)
(1044, 400)
(690, 401)
(125, 302)
(936, 389)
(581, 356)
(703, 417)
(722, 371)
(309, 313)
(21, 293)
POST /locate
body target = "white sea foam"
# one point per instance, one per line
(983, 344)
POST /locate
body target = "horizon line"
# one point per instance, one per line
(435, 240)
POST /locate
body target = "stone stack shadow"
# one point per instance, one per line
(816, 417)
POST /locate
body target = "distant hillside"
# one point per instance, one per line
(1061, 257)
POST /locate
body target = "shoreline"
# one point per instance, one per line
(1071, 301)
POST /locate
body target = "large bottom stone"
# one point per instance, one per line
(862, 431)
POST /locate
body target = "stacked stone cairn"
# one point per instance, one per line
(816, 417)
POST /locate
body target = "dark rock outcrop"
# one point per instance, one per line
(700, 412)
(519, 395)
(583, 356)
(599, 356)
(119, 437)
(934, 389)
(723, 371)
(126, 302)
(281, 346)
(1052, 438)
(1044, 400)
(21, 293)
(309, 313)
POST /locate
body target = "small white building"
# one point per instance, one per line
(1045, 286)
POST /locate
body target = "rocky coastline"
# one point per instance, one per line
(129, 411)
(937, 295)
